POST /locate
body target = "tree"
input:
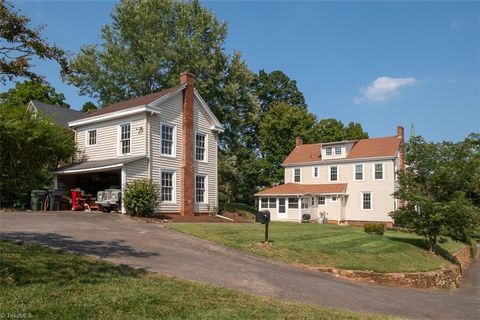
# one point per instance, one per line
(89, 107)
(441, 187)
(329, 130)
(279, 127)
(29, 148)
(275, 87)
(25, 91)
(21, 43)
(146, 47)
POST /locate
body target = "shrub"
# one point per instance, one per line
(140, 197)
(374, 228)
(473, 247)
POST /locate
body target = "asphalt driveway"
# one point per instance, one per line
(117, 238)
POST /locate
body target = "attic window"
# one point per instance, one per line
(328, 151)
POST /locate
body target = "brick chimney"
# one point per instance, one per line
(298, 141)
(187, 171)
(400, 132)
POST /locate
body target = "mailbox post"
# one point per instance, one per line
(264, 218)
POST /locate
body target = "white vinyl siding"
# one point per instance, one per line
(137, 170)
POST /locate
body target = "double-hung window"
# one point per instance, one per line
(338, 150)
(200, 188)
(358, 172)
(272, 203)
(321, 200)
(200, 147)
(293, 203)
(167, 186)
(296, 175)
(91, 137)
(328, 151)
(315, 172)
(167, 146)
(366, 201)
(264, 203)
(333, 173)
(378, 171)
(125, 138)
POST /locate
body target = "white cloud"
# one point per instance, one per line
(383, 89)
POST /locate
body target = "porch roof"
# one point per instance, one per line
(288, 189)
(96, 165)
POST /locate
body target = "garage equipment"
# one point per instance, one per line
(109, 199)
(79, 200)
(37, 198)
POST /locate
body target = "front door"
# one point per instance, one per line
(282, 209)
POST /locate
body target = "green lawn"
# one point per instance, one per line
(327, 245)
(51, 284)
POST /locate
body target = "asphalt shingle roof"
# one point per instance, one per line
(60, 116)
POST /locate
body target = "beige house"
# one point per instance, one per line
(169, 137)
(343, 182)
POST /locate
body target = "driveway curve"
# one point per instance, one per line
(118, 239)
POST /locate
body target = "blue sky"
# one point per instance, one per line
(377, 63)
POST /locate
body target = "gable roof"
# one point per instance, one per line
(363, 148)
(60, 116)
(135, 102)
(375, 147)
(300, 189)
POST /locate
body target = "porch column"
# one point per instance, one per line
(123, 183)
(300, 209)
(55, 181)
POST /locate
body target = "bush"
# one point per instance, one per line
(473, 247)
(374, 228)
(140, 197)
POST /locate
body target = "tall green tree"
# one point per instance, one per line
(22, 42)
(146, 47)
(275, 87)
(279, 127)
(89, 107)
(25, 91)
(329, 130)
(29, 148)
(441, 187)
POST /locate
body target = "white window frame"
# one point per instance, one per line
(293, 174)
(361, 200)
(334, 201)
(174, 143)
(315, 171)
(330, 173)
(205, 191)
(355, 171)
(205, 152)
(272, 201)
(335, 150)
(383, 171)
(119, 136)
(174, 187)
(87, 138)
(298, 203)
(330, 151)
(262, 202)
(324, 201)
(285, 205)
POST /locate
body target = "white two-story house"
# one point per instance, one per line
(169, 137)
(348, 182)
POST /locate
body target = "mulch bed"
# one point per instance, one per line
(177, 218)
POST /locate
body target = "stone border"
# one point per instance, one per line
(444, 278)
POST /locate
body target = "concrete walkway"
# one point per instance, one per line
(117, 238)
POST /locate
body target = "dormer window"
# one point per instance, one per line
(328, 151)
(338, 150)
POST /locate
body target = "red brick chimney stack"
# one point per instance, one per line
(298, 141)
(400, 132)
(187, 172)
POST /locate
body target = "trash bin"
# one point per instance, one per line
(55, 197)
(37, 197)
